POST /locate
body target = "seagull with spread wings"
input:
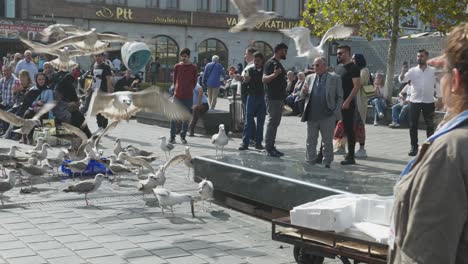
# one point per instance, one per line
(123, 105)
(249, 15)
(26, 125)
(301, 37)
(89, 41)
(63, 61)
(59, 31)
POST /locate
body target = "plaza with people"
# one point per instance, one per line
(133, 147)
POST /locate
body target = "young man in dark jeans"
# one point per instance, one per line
(351, 82)
(185, 79)
(423, 82)
(274, 79)
(101, 80)
(255, 103)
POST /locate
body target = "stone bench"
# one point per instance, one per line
(438, 116)
(208, 124)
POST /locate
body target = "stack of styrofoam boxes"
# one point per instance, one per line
(333, 213)
(374, 209)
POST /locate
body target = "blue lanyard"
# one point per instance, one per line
(456, 122)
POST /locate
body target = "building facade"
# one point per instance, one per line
(168, 26)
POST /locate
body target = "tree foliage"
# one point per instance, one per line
(374, 18)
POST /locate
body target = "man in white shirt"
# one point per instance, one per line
(27, 64)
(423, 81)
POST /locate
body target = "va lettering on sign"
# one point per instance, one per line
(118, 13)
(269, 24)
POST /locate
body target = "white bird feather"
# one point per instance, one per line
(304, 47)
(249, 15)
(90, 41)
(26, 125)
(125, 104)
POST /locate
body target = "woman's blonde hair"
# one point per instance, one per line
(456, 54)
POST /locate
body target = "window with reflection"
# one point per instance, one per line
(166, 49)
(173, 4)
(222, 6)
(210, 47)
(264, 48)
(152, 3)
(98, 1)
(203, 5)
(269, 5)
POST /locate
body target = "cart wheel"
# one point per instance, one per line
(303, 258)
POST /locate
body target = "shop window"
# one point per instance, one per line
(210, 47)
(166, 49)
(203, 5)
(264, 48)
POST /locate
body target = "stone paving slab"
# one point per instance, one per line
(121, 227)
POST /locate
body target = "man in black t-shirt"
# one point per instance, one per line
(101, 80)
(274, 80)
(351, 82)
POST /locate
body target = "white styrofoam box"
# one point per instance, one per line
(374, 209)
(379, 232)
(332, 213)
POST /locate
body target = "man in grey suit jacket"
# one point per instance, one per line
(322, 110)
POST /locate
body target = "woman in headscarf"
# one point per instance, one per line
(430, 212)
(46, 95)
(68, 103)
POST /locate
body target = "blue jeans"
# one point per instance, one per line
(379, 107)
(187, 103)
(399, 113)
(255, 105)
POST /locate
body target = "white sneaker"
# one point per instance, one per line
(381, 115)
(361, 153)
(340, 151)
(376, 123)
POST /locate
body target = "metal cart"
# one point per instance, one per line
(313, 246)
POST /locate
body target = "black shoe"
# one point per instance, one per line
(319, 159)
(252, 143)
(273, 153)
(413, 152)
(259, 147)
(327, 166)
(348, 161)
(183, 141)
(172, 140)
(281, 154)
(243, 147)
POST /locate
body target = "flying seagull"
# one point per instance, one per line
(26, 125)
(59, 31)
(89, 41)
(249, 15)
(301, 37)
(63, 61)
(87, 186)
(123, 105)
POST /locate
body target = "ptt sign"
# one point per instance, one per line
(119, 13)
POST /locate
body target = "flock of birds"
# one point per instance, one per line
(72, 41)
(123, 161)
